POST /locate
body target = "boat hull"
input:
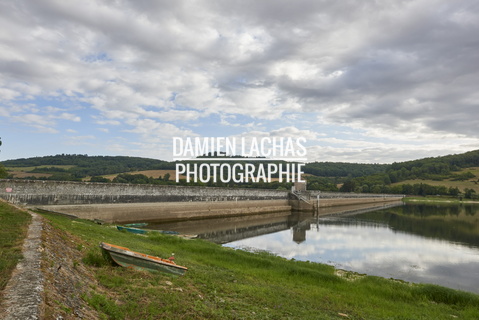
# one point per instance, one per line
(140, 261)
(144, 231)
(132, 230)
(136, 225)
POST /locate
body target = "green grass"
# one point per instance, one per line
(27, 169)
(470, 184)
(13, 228)
(436, 199)
(224, 283)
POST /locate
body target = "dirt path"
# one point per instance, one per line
(23, 295)
(49, 282)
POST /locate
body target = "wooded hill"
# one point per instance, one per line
(428, 176)
(84, 165)
(410, 177)
(78, 167)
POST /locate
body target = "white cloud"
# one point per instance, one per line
(108, 122)
(78, 141)
(33, 119)
(405, 72)
(68, 116)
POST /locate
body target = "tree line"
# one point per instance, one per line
(3, 171)
(326, 176)
(438, 169)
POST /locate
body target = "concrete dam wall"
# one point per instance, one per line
(37, 192)
(135, 202)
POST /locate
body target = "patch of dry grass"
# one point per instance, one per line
(149, 173)
(470, 184)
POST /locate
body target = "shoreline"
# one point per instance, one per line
(221, 283)
(436, 200)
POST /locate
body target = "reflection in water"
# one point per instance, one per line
(230, 229)
(224, 230)
(417, 243)
(408, 242)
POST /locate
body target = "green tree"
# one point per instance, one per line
(3, 172)
(469, 193)
(393, 177)
(99, 179)
(348, 186)
(453, 191)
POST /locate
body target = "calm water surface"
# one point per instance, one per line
(416, 243)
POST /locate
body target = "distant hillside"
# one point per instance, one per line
(438, 175)
(447, 175)
(84, 165)
(437, 168)
(343, 169)
(79, 166)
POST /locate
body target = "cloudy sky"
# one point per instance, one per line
(362, 81)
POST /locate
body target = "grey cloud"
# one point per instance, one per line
(21, 69)
(377, 64)
(420, 56)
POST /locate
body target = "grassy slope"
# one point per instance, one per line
(22, 172)
(13, 228)
(149, 173)
(437, 199)
(26, 169)
(471, 183)
(223, 283)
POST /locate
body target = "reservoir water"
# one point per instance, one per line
(436, 244)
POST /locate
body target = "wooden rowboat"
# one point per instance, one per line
(140, 261)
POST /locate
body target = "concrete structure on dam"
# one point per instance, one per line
(112, 202)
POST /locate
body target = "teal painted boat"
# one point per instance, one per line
(132, 230)
(143, 231)
(136, 225)
(130, 259)
(166, 232)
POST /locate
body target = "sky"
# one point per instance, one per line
(361, 81)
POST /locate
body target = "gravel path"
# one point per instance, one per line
(23, 295)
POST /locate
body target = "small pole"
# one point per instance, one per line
(317, 203)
